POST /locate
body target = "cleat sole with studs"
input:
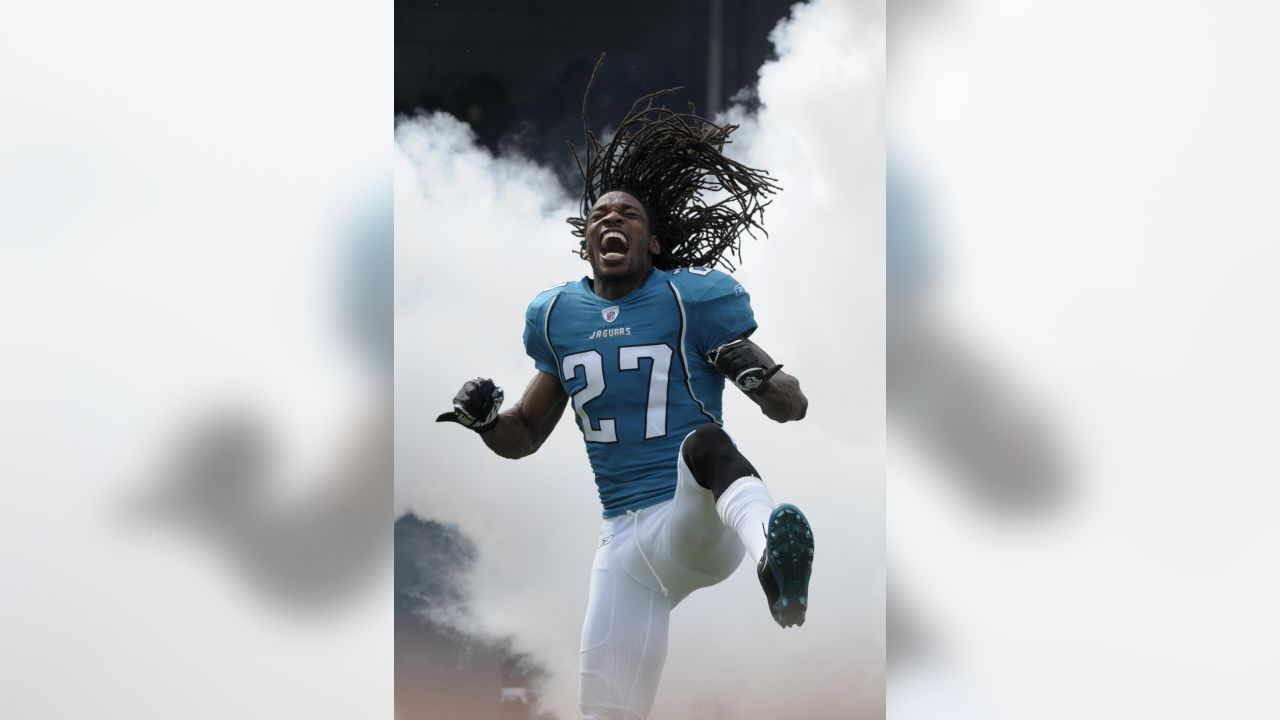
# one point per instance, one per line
(789, 553)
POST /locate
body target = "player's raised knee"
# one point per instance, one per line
(714, 460)
(703, 446)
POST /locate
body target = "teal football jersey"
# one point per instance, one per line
(636, 372)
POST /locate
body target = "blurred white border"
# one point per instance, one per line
(179, 185)
(1102, 192)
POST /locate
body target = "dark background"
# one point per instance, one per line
(516, 72)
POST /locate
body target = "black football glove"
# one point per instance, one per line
(740, 361)
(476, 405)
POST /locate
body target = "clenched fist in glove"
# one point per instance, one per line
(742, 362)
(476, 405)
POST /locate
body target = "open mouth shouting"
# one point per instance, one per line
(618, 241)
(614, 245)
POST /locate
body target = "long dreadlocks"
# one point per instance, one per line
(667, 160)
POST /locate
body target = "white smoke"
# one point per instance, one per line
(477, 236)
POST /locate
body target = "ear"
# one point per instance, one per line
(655, 247)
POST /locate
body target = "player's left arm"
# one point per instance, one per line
(755, 373)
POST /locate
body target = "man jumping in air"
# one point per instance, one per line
(641, 349)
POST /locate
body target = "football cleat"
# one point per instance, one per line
(787, 564)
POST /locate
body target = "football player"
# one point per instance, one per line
(641, 350)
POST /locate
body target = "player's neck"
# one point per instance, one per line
(613, 289)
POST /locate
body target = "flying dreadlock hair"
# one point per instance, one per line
(667, 160)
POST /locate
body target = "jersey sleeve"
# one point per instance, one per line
(719, 310)
(535, 335)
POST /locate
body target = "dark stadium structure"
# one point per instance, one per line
(515, 70)
(439, 672)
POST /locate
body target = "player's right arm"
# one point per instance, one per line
(519, 431)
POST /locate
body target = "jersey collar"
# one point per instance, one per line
(656, 277)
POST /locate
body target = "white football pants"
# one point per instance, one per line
(647, 561)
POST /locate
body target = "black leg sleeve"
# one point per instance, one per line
(714, 459)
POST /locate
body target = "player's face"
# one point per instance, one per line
(619, 244)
